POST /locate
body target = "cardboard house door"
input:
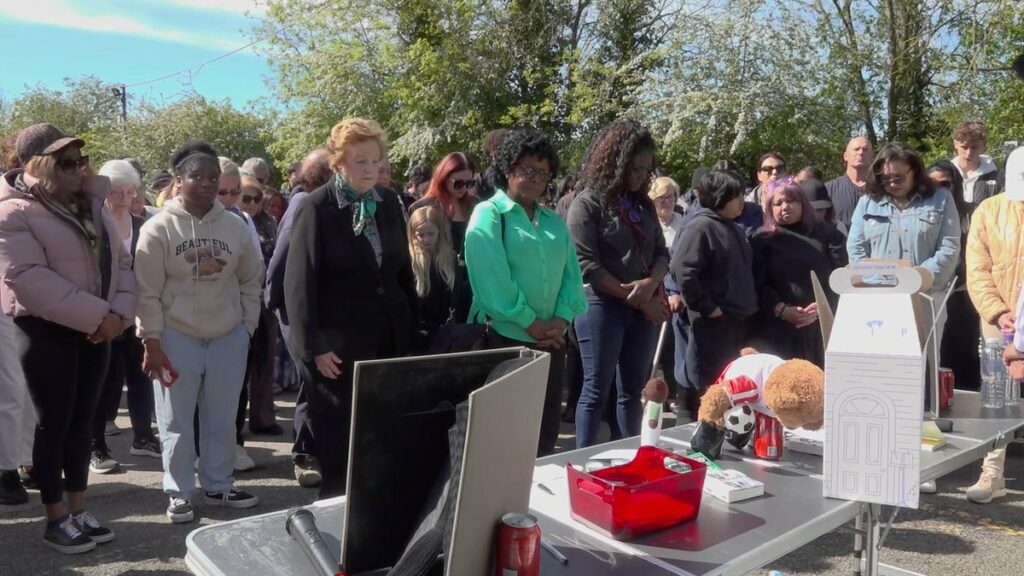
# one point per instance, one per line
(862, 469)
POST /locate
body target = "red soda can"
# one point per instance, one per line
(767, 437)
(947, 382)
(518, 546)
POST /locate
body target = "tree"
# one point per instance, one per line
(439, 74)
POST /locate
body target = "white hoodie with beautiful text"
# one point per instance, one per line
(201, 277)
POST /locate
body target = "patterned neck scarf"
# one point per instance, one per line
(365, 205)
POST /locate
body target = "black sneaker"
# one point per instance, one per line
(65, 537)
(12, 492)
(92, 528)
(146, 447)
(233, 498)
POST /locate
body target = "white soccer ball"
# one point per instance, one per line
(739, 419)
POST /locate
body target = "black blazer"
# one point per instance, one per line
(338, 299)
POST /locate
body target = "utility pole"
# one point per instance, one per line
(121, 92)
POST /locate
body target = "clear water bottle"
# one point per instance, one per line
(993, 374)
(1012, 386)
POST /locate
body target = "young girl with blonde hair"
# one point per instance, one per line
(433, 265)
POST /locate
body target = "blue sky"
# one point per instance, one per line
(129, 41)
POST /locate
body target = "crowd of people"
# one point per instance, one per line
(202, 290)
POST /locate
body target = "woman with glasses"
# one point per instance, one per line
(229, 193)
(349, 287)
(770, 167)
(904, 216)
(523, 266)
(959, 350)
(260, 368)
(67, 281)
(452, 190)
(624, 259)
(126, 349)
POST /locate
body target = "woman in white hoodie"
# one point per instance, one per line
(199, 279)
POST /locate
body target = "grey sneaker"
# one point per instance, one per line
(92, 528)
(102, 463)
(179, 510)
(66, 538)
(111, 429)
(986, 489)
(146, 447)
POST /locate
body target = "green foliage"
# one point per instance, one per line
(87, 108)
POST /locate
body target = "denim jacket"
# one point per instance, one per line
(926, 232)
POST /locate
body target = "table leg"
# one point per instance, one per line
(872, 514)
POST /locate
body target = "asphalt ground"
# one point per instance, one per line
(947, 536)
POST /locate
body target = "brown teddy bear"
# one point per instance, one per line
(792, 391)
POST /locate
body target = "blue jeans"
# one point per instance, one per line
(210, 375)
(614, 339)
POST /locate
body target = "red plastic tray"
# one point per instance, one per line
(638, 497)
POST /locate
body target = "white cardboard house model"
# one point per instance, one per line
(876, 350)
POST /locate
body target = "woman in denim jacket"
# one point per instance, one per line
(904, 217)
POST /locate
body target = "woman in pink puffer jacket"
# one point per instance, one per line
(68, 283)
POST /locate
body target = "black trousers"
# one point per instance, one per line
(63, 372)
(303, 445)
(573, 370)
(716, 342)
(550, 420)
(329, 413)
(125, 369)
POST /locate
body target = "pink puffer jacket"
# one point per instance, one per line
(50, 270)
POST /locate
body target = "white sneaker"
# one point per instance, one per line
(179, 510)
(242, 460)
(928, 487)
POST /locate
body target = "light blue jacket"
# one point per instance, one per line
(926, 232)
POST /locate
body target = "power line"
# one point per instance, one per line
(194, 70)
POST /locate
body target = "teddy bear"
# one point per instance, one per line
(791, 391)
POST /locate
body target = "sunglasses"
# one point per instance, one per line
(247, 199)
(70, 166)
(893, 180)
(460, 184)
(780, 168)
(228, 192)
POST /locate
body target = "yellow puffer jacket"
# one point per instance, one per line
(995, 256)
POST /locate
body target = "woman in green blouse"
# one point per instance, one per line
(522, 264)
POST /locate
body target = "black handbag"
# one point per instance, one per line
(459, 337)
(464, 337)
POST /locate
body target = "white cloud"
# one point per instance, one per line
(239, 6)
(71, 14)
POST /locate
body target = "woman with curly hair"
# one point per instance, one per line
(624, 259)
(522, 264)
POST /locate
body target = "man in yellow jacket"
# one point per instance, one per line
(995, 271)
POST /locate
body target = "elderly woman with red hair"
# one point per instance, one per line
(349, 287)
(792, 243)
